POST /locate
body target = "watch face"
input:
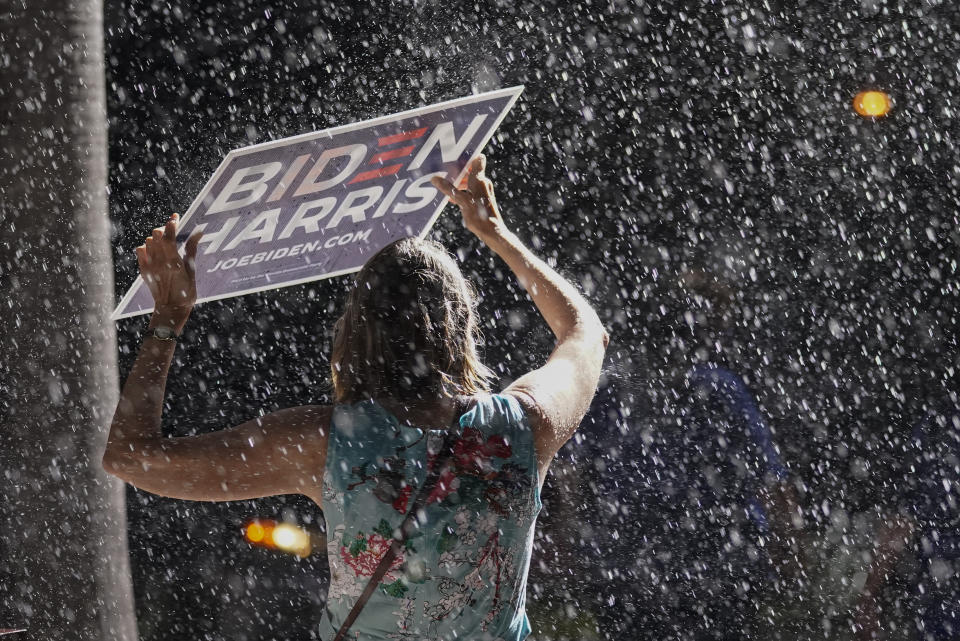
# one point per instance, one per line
(163, 332)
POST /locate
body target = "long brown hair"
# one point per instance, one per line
(409, 330)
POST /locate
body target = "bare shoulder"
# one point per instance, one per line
(539, 425)
(308, 424)
(304, 422)
(299, 435)
(531, 408)
(556, 396)
(302, 433)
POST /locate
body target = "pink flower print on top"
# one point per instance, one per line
(473, 455)
(364, 554)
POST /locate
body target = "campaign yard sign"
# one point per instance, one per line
(320, 204)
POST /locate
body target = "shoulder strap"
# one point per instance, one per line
(433, 474)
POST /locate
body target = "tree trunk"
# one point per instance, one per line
(64, 568)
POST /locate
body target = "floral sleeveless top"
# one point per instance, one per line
(463, 575)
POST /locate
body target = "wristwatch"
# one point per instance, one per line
(163, 333)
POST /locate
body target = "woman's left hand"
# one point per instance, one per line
(171, 278)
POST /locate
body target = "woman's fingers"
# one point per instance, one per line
(473, 183)
(142, 261)
(161, 266)
(161, 244)
(461, 197)
(155, 253)
(170, 231)
(146, 266)
(170, 239)
(458, 196)
(487, 186)
(192, 243)
(161, 240)
(190, 257)
(475, 173)
(478, 165)
(445, 186)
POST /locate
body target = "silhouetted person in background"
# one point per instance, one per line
(699, 514)
(927, 529)
(405, 372)
(934, 503)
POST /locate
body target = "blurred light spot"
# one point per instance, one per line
(278, 536)
(872, 104)
(290, 538)
(255, 532)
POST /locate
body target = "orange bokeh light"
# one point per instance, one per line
(872, 104)
(256, 532)
(270, 534)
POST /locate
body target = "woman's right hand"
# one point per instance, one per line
(171, 278)
(477, 202)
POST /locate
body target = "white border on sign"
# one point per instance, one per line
(514, 92)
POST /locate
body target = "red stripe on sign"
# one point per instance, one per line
(391, 154)
(376, 173)
(407, 135)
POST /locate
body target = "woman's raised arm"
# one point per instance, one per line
(280, 453)
(558, 394)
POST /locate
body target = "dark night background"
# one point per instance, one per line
(651, 139)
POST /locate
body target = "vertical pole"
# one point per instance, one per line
(64, 567)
